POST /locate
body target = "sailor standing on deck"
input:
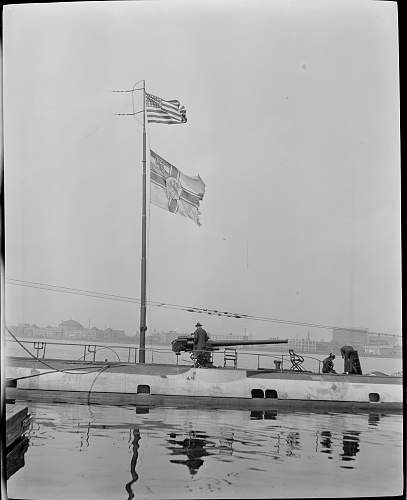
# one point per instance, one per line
(201, 356)
(200, 338)
(347, 352)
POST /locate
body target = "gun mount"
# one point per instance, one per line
(185, 343)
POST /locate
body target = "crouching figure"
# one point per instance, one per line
(328, 364)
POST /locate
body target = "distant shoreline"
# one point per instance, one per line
(128, 342)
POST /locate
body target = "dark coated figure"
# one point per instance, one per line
(350, 360)
(328, 364)
(202, 357)
(200, 338)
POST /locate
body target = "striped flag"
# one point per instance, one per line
(174, 191)
(161, 111)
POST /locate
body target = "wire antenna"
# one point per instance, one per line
(126, 91)
(133, 89)
(129, 114)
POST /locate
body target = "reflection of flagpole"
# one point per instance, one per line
(143, 325)
(133, 463)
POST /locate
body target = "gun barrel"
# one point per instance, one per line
(225, 343)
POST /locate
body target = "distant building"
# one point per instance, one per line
(69, 329)
(114, 334)
(70, 324)
(380, 339)
(230, 337)
(301, 344)
(384, 350)
(161, 338)
(356, 337)
(25, 330)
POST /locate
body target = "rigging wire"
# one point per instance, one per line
(94, 381)
(77, 291)
(134, 89)
(166, 305)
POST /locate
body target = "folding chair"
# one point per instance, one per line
(230, 355)
(296, 361)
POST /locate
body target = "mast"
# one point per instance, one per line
(143, 324)
(166, 112)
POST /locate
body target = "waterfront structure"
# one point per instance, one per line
(366, 342)
(245, 338)
(161, 338)
(376, 344)
(69, 330)
(356, 337)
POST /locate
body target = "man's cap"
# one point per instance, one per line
(198, 324)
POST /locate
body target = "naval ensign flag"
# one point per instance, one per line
(174, 191)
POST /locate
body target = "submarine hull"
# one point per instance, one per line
(126, 383)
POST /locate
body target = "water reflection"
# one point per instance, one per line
(229, 444)
(85, 438)
(142, 410)
(350, 446)
(326, 442)
(260, 414)
(134, 476)
(293, 443)
(226, 446)
(193, 446)
(374, 419)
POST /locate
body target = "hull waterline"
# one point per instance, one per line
(144, 384)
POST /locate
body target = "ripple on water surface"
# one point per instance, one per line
(104, 452)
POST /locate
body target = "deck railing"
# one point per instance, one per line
(88, 350)
(94, 352)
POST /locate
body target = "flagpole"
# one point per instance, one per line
(143, 324)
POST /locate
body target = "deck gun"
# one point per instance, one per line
(185, 343)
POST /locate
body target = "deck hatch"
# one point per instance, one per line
(143, 389)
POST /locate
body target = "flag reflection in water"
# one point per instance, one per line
(196, 445)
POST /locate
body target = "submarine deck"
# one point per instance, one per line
(155, 369)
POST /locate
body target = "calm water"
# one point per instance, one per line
(102, 452)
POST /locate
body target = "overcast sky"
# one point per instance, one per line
(293, 125)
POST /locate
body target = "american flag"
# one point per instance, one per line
(161, 111)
